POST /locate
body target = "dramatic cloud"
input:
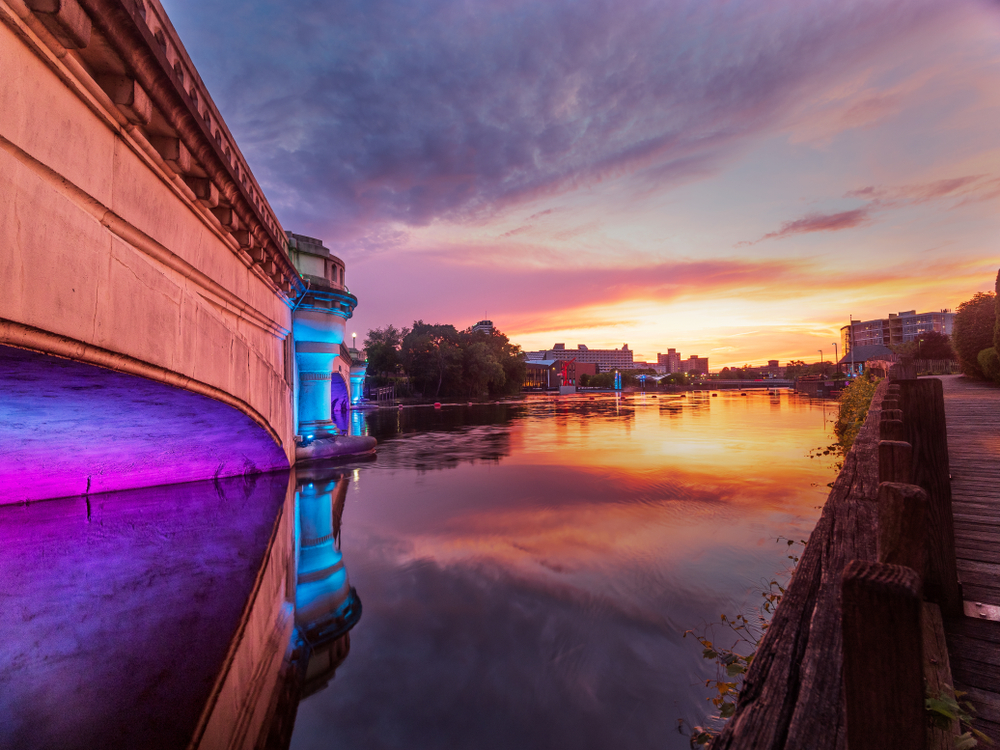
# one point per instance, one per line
(394, 111)
(583, 168)
(969, 188)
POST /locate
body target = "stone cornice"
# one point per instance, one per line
(161, 94)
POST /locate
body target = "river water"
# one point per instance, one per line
(527, 571)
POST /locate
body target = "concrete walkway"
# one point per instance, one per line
(972, 411)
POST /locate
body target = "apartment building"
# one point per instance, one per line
(898, 328)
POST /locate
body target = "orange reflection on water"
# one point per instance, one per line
(623, 491)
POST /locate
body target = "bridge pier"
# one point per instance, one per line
(324, 364)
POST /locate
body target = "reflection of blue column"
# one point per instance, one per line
(326, 606)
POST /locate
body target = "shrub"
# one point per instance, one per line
(853, 408)
(989, 363)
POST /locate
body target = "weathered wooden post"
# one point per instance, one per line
(883, 657)
(894, 461)
(902, 525)
(924, 428)
(889, 428)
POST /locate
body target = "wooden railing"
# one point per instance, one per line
(845, 659)
(386, 394)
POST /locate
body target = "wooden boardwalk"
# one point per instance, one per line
(973, 417)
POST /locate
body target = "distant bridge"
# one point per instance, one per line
(145, 288)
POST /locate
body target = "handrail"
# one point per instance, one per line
(866, 539)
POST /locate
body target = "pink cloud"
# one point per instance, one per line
(817, 222)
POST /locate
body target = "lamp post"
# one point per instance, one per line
(835, 357)
(354, 340)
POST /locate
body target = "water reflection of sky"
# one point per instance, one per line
(533, 592)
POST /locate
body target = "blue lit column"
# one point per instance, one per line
(358, 371)
(315, 362)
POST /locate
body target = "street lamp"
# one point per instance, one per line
(354, 340)
(835, 357)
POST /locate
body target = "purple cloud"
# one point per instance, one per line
(359, 113)
(817, 222)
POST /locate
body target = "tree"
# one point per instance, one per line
(432, 357)
(442, 361)
(796, 368)
(933, 345)
(382, 347)
(481, 370)
(996, 325)
(975, 321)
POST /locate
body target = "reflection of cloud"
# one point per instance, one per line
(473, 657)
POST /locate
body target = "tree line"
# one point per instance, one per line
(435, 361)
(977, 335)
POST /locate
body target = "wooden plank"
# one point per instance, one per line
(972, 627)
(979, 567)
(981, 555)
(971, 673)
(984, 594)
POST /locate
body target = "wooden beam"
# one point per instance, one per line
(925, 430)
(894, 461)
(902, 525)
(891, 429)
(883, 658)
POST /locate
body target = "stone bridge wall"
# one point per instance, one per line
(132, 234)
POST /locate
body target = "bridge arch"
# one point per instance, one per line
(71, 427)
(138, 243)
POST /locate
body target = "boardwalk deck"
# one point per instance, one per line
(973, 416)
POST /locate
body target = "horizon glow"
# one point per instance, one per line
(731, 179)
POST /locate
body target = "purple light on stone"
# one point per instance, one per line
(68, 428)
(120, 608)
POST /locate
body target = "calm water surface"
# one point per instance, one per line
(527, 571)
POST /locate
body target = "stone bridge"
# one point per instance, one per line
(146, 291)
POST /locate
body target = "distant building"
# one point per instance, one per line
(694, 363)
(773, 369)
(853, 363)
(484, 326)
(656, 367)
(605, 359)
(898, 328)
(547, 374)
(672, 360)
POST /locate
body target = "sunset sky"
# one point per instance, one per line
(731, 179)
